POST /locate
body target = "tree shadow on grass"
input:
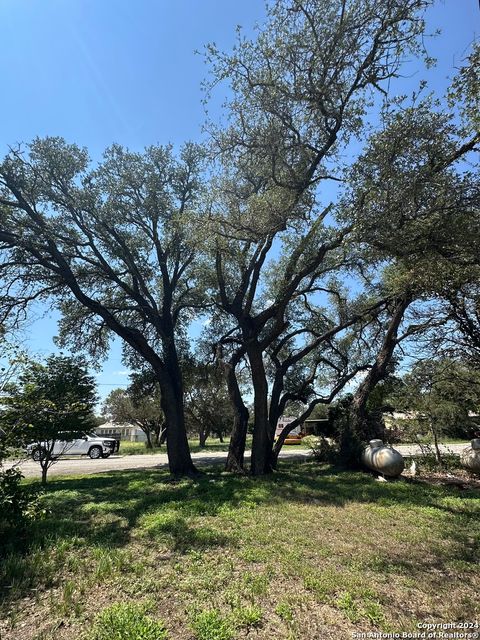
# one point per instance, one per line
(446, 513)
(339, 487)
(106, 510)
(128, 496)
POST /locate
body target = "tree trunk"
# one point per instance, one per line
(360, 421)
(160, 432)
(44, 474)
(377, 373)
(262, 437)
(275, 413)
(149, 439)
(202, 436)
(238, 437)
(170, 379)
(179, 458)
(163, 436)
(281, 439)
(438, 453)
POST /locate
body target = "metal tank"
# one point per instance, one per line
(382, 458)
(470, 457)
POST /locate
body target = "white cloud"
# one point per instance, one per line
(125, 372)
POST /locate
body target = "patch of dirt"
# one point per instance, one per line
(460, 479)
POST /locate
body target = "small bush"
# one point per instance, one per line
(345, 434)
(427, 461)
(323, 450)
(126, 622)
(18, 506)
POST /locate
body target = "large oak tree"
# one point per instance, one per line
(300, 92)
(112, 247)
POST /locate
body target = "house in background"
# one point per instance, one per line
(128, 432)
(316, 427)
(311, 426)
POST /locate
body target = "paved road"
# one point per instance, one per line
(411, 450)
(77, 466)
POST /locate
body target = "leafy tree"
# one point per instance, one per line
(18, 503)
(300, 92)
(414, 201)
(12, 359)
(113, 249)
(117, 248)
(52, 402)
(458, 333)
(320, 412)
(321, 352)
(207, 404)
(139, 406)
(438, 395)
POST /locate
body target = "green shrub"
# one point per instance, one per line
(18, 506)
(126, 622)
(427, 461)
(248, 616)
(323, 450)
(348, 441)
(210, 625)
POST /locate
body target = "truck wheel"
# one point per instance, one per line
(38, 454)
(95, 453)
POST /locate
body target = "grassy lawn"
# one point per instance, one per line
(212, 444)
(136, 448)
(306, 554)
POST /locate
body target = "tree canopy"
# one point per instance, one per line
(140, 405)
(309, 294)
(51, 402)
(111, 247)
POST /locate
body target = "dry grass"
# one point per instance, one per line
(310, 553)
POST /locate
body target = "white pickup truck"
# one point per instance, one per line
(89, 445)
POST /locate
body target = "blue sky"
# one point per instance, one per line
(104, 71)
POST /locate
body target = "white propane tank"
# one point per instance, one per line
(383, 459)
(470, 457)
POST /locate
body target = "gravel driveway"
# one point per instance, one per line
(81, 465)
(77, 466)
